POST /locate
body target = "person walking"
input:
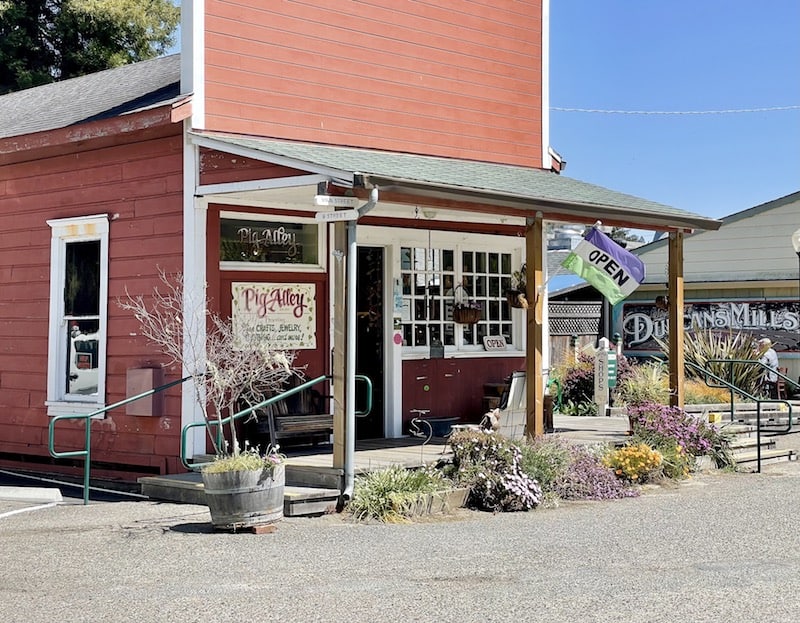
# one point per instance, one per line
(769, 358)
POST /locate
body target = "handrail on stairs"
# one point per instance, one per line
(273, 399)
(87, 417)
(707, 375)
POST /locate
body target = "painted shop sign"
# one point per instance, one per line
(777, 320)
(262, 241)
(282, 314)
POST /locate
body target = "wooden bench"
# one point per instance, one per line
(302, 417)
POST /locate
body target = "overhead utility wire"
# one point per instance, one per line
(675, 112)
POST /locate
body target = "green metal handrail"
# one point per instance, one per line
(758, 400)
(733, 388)
(86, 452)
(218, 424)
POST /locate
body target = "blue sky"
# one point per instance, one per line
(679, 55)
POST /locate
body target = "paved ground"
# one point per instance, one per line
(720, 547)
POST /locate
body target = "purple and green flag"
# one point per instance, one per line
(607, 266)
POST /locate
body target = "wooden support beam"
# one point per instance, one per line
(339, 359)
(676, 332)
(534, 360)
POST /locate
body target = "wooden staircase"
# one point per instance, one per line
(308, 491)
(774, 443)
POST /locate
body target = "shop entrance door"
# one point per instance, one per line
(369, 339)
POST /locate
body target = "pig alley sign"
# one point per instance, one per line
(281, 314)
(777, 320)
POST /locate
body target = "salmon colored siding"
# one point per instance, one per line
(140, 186)
(456, 79)
(217, 167)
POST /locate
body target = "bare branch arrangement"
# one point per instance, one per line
(226, 372)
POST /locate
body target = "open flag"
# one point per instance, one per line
(607, 266)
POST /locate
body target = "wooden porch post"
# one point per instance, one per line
(339, 367)
(675, 289)
(534, 387)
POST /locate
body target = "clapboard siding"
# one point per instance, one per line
(139, 186)
(754, 247)
(459, 79)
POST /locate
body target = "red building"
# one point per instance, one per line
(209, 162)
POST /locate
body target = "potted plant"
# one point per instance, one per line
(465, 309)
(243, 487)
(517, 295)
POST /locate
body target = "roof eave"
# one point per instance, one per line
(23, 147)
(525, 206)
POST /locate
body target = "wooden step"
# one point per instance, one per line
(749, 460)
(188, 489)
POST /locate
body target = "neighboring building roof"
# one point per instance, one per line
(522, 189)
(100, 95)
(728, 220)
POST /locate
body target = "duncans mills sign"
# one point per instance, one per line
(642, 324)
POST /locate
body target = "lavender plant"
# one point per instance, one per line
(586, 478)
(490, 466)
(662, 427)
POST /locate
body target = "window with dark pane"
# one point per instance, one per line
(82, 279)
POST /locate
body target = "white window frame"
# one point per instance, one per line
(458, 242)
(62, 232)
(319, 267)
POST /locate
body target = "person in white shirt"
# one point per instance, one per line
(768, 356)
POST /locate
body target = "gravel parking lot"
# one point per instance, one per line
(719, 547)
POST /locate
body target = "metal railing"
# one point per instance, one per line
(734, 389)
(87, 417)
(218, 424)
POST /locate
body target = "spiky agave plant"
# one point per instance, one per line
(703, 346)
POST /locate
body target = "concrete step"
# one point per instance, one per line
(188, 489)
(745, 445)
(749, 460)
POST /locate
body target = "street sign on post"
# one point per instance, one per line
(333, 201)
(612, 369)
(338, 215)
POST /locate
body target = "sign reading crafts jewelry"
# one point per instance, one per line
(777, 320)
(282, 314)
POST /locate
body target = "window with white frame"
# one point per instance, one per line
(78, 308)
(434, 280)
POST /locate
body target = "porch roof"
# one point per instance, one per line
(505, 189)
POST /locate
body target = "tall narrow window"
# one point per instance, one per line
(78, 293)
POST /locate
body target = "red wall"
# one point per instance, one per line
(452, 387)
(458, 78)
(140, 185)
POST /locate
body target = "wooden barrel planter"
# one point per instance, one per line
(243, 499)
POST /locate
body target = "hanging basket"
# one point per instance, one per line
(516, 298)
(466, 315)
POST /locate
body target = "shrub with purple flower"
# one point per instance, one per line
(663, 427)
(586, 478)
(491, 466)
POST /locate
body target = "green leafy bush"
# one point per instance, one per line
(390, 495)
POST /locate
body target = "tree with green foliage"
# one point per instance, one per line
(45, 41)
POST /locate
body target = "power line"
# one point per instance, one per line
(733, 111)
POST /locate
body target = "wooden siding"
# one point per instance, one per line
(452, 387)
(217, 167)
(455, 79)
(756, 247)
(140, 186)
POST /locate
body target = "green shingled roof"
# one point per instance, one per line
(505, 187)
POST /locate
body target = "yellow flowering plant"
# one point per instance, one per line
(635, 462)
